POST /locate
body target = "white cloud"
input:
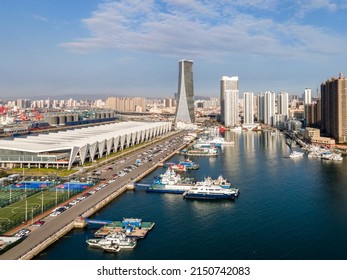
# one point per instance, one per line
(311, 5)
(204, 28)
(40, 18)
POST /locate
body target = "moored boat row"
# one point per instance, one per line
(172, 182)
(116, 236)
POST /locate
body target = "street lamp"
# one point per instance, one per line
(32, 215)
(26, 209)
(42, 203)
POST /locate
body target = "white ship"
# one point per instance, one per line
(210, 192)
(220, 141)
(120, 239)
(296, 154)
(171, 182)
(220, 181)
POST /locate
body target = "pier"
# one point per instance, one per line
(292, 136)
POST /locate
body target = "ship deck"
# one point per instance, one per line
(117, 226)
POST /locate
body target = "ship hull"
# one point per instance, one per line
(203, 196)
(163, 190)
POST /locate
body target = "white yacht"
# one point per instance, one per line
(296, 154)
(123, 241)
(210, 192)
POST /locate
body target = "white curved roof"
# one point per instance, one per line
(79, 137)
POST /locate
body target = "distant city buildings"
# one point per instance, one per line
(126, 104)
(229, 101)
(185, 97)
(169, 102)
(23, 103)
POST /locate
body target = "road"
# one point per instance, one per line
(54, 224)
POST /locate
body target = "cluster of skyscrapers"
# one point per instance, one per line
(329, 113)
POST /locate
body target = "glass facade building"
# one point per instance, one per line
(185, 98)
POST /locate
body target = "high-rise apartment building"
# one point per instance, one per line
(260, 105)
(313, 114)
(307, 97)
(282, 103)
(229, 100)
(248, 112)
(185, 98)
(269, 107)
(231, 108)
(334, 108)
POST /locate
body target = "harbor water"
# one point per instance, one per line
(288, 208)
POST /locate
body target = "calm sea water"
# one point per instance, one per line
(287, 209)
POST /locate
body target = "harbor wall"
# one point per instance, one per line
(71, 225)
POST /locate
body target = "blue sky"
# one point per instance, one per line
(132, 48)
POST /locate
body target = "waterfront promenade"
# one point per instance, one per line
(58, 226)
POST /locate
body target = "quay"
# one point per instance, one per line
(56, 227)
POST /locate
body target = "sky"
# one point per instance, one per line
(97, 48)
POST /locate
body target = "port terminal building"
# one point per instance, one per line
(77, 146)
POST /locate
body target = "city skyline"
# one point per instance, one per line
(95, 47)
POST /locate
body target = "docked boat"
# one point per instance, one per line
(190, 165)
(210, 192)
(202, 143)
(200, 152)
(220, 141)
(112, 248)
(94, 242)
(220, 181)
(296, 154)
(331, 156)
(120, 239)
(178, 167)
(171, 182)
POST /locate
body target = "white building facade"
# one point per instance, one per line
(248, 108)
(229, 98)
(269, 107)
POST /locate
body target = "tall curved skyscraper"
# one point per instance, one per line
(185, 97)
